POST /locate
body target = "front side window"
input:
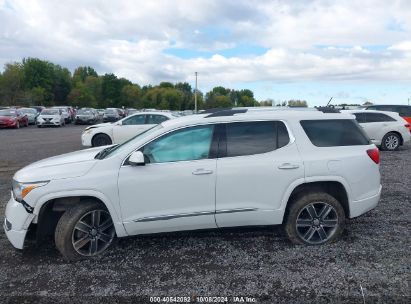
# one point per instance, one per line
(153, 119)
(182, 145)
(334, 132)
(135, 120)
(248, 138)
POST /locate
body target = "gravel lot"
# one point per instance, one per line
(373, 254)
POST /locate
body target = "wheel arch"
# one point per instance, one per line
(335, 188)
(52, 207)
(100, 132)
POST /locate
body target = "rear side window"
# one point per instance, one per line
(334, 132)
(360, 117)
(153, 119)
(248, 138)
(405, 111)
(378, 117)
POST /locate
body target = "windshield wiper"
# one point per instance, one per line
(103, 153)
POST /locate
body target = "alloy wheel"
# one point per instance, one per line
(316, 223)
(391, 142)
(93, 233)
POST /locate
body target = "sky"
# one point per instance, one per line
(353, 51)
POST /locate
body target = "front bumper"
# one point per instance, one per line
(16, 222)
(48, 123)
(86, 139)
(360, 207)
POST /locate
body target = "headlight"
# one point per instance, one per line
(20, 190)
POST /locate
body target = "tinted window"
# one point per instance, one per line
(135, 120)
(153, 119)
(247, 138)
(405, 111)
(377, 117)
(282, 135)
(334, 132)
(187, 144)
(360, 117)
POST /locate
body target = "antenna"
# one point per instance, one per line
(329, 101)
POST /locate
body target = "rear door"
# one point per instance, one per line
(377, 125)
(257, 162)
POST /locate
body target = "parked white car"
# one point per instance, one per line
(51, 117)
(388, 130)
(122, 130)
(307, 170)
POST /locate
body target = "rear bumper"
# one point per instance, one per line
(360, 207)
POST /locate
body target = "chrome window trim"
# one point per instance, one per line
(200, 213)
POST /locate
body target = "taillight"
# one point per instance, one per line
(374, 154)
(407, 125)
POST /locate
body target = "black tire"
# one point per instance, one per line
(66, 232)
(390, 142)
(314, 230)
(101, 140)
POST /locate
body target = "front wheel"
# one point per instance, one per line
(86, 230)
(101, 140)
(390, 142)
(314, 219)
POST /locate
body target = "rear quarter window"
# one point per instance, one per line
(334, 132)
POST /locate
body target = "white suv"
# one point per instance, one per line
(307, 170)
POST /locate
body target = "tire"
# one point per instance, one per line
(76, 236)
(101, 140)
(314, 229)
(390, 142)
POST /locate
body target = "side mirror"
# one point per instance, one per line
(136, 159)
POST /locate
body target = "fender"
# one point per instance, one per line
(117, 221)
(300, 181)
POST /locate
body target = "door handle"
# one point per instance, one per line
(287, 166)
(202, 172)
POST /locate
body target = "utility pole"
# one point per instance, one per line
(195, 95)
(408, 101)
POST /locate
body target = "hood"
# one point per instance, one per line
(68, 165)
(99, 125)
(49, 116)
(7, 118)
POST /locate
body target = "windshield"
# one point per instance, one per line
(29, 111)
(7, 113)
(115, 149)
(50, 112)
(84, 112)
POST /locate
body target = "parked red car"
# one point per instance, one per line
(13, 118)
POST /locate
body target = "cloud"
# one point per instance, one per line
(131, 39)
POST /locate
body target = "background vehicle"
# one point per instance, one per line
(31, 114)
(13, 118)
(86, 116)
(387, 130)
(403, 110)
(130, 111)
(310, 171)
(38, 108)
(120, 131)
(51, 117)
(110, 115)
(100, 113)
(66, 112)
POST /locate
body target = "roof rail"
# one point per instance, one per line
(227, 112)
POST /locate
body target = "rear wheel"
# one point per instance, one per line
(314, 219)
(86, 230)
(390, 142)
(101, 140)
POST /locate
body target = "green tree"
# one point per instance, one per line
(82, 72)
(297, 103)
(130, 96)
(61, 84)
(80, 96)
(11, 84)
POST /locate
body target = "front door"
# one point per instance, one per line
(175, 190)
(129, 128)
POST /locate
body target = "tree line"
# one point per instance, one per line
(38, 82)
